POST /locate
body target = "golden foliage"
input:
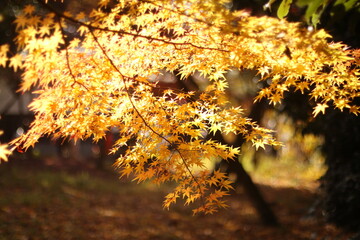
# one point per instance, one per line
(99, 80)
(4, 151)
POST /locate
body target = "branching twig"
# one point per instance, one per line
(89, 26)
(67, 56)
(143, 119)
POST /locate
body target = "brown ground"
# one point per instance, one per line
(41, 202)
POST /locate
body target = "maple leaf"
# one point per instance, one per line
(103, 3)
(170, 199)
(302, 86)
(355, 110)
(80, 16)
(21, 21)
(213, 181)
(233, 152)
(16, 62)
(215, 127)
(29, 9)
(4, 49)
(320, 107)
(276, 98)
(216, 195)
(44, 30)
(3, 60)
(226, 184)
(126, 171)
(4, 152)
(258, 144)
(33, 20)
(341, 104)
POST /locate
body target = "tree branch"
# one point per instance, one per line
(89, 26)
(145, 122)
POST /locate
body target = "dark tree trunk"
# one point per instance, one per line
(243, 179)
(341, 183)
(262, 207)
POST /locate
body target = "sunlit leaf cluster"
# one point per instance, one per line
(105, 75)
(4, 151)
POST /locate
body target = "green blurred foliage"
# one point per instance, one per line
(316, 8)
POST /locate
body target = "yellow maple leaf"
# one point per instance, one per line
(215, 127)
(320, 107)
(275, 98)
(44, 30)
(233, 152)
(3, 60)
(16, 62)
(4, 49)
(302, 86)
(169, 199)
(4, 152)
(355, 110)
(342, 103)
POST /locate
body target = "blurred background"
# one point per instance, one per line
(311, 185)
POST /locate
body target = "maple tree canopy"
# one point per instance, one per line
(98, 79)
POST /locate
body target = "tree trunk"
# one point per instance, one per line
(341, 183)
(262, 207)
(251, 190)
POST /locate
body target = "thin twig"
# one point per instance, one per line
(125, 32)
(143, 119)
(67, 57)
(180, 13)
